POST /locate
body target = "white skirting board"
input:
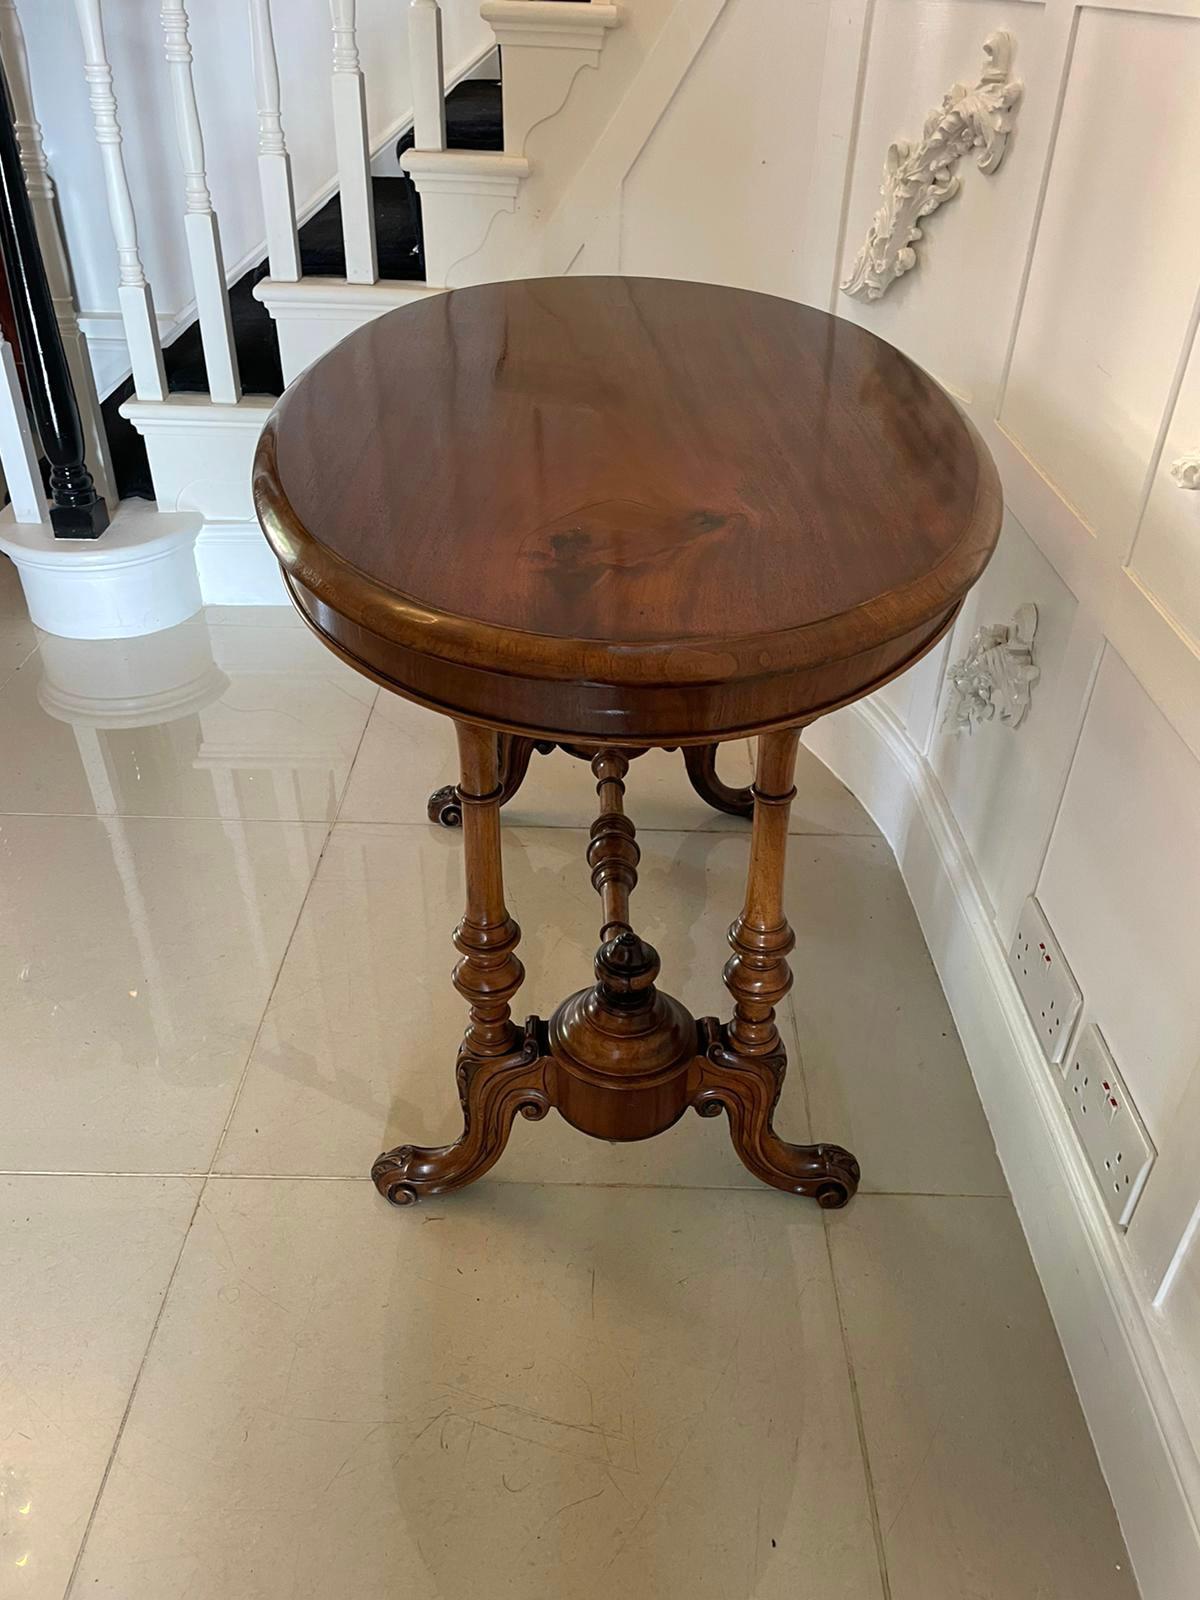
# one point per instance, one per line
(1142, 1440)
(237, 566)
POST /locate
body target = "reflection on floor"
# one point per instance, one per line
(230, 1372)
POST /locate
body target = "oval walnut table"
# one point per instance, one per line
(614, 514)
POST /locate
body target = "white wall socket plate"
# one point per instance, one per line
(1113, 1136)
(1051, 995)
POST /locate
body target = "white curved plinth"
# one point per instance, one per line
(140, 576)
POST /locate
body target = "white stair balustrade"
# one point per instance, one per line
(428, 74)
(200, 220)
(351, 147)
(274, 163)
(133, 292)
(40, 189)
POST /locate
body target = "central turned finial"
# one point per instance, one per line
(626, 968)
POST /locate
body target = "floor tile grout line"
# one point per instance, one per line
(12, 671)
(133, 1389)
(370, 822)
(581, 826)
(860, 1426)
(337, 815)
(199, 1175)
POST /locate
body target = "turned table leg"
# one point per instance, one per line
(500, 1072)
(743, 1067)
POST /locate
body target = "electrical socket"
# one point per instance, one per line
(1051, 995)
(1113, 1136)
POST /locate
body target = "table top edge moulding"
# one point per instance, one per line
(876, 469)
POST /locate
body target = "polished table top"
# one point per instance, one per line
(624, 508)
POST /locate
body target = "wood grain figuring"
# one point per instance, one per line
(504, 500)
(618, 514)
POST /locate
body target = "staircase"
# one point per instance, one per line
(483, 171)
(474, 121)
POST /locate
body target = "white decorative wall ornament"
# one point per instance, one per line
(997, 674)
(1186, 470)
(918, 178)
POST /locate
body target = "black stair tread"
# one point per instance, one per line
(322, 254)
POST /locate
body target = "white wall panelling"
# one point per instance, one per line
(1084, 380)
(1124, 907)
(725, 218)
(200, 220)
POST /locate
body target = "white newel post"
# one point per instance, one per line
(274, 163)
(137, 303)
(350, 142)
(200, 220)
(40, 189)
(428, 75)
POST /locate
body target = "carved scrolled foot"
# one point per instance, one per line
(747, 1089)
(493, 1091)
(701, 763)
(445, 808)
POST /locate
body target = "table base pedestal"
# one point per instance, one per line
(621, 1060)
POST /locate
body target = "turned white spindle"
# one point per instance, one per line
(428, 75)
(133, 292)
(40, 188)
(274, 163)
(200, 220)
(350, 142)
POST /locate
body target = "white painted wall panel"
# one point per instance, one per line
(1003, 784)
(1166, 555)
(1113, 277)
(715, 192)
(914, 695)
(1121, 887)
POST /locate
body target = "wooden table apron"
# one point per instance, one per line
(607, 515)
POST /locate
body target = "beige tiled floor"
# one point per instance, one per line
(229, 1372)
